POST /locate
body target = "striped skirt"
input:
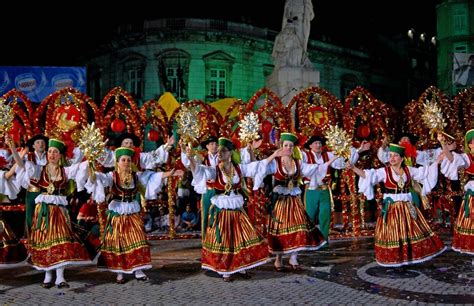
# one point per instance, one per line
(463, 238)
(290, 228)
(12, 252)
(404, 240)
(52, 242)
(231, 243)
(124, 245)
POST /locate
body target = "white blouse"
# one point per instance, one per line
(77, 172)
(426, 175)
(233, 201)
(152, 181)
(316, 172)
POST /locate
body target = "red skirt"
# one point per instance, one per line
(52, 242)
(404, 240)
(124, 247)
(290, 228)
(231, 243)
(463, 238)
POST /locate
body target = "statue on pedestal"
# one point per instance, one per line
(290, 48)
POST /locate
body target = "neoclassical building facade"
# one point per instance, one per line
(213, 59)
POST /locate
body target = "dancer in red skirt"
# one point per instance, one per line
(52, 242)
(290, 228)
(402, 235)
(125, 249)
(463, 237)
(231, 244)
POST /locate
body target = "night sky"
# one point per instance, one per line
(32, 36)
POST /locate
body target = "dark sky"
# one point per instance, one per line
(32, 35)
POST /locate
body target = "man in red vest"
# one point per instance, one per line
(318, 195)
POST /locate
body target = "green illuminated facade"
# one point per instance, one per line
(455, 26)
(213, 59)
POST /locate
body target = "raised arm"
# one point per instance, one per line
(190, 156)
(277, 153)
(356, 170)
(16, 156)
(446, 147)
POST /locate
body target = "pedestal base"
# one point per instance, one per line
(288, 81)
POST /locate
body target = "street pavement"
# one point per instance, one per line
(342, 273)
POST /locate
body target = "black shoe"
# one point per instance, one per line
(47, 285)
(142, 279)
(63, 285)
(121, 281)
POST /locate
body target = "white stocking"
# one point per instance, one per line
(48, 276)
(139, 274)
(294, 259)
(59, 276)
(119, 276)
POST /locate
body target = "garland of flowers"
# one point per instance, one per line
(134, 119)
(360, 107)
(25, 116)
(464, 102)
(159, 122)
(88, 101)
(272, 108)
(319, 97)
(227, 128)
(357, 215)
(172, 185)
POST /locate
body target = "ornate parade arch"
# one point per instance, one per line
(316, 109)
(22, 129)
(120, 112)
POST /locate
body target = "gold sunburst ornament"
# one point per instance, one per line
(6, 117)
(189, 128)
(433, 116)
(91, 142)
(339, 141)
(249, 128)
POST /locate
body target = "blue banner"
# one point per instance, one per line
(39, 82)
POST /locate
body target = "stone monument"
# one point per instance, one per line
(293, 70)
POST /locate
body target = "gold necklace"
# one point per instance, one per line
(50, 188)
(229, 177)
(125, 179)
(401, 182)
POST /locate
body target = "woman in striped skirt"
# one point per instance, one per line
(402, 235)
(290, 229)
(52, 243)
(463, 236)
(231, 244)
(124, 248)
